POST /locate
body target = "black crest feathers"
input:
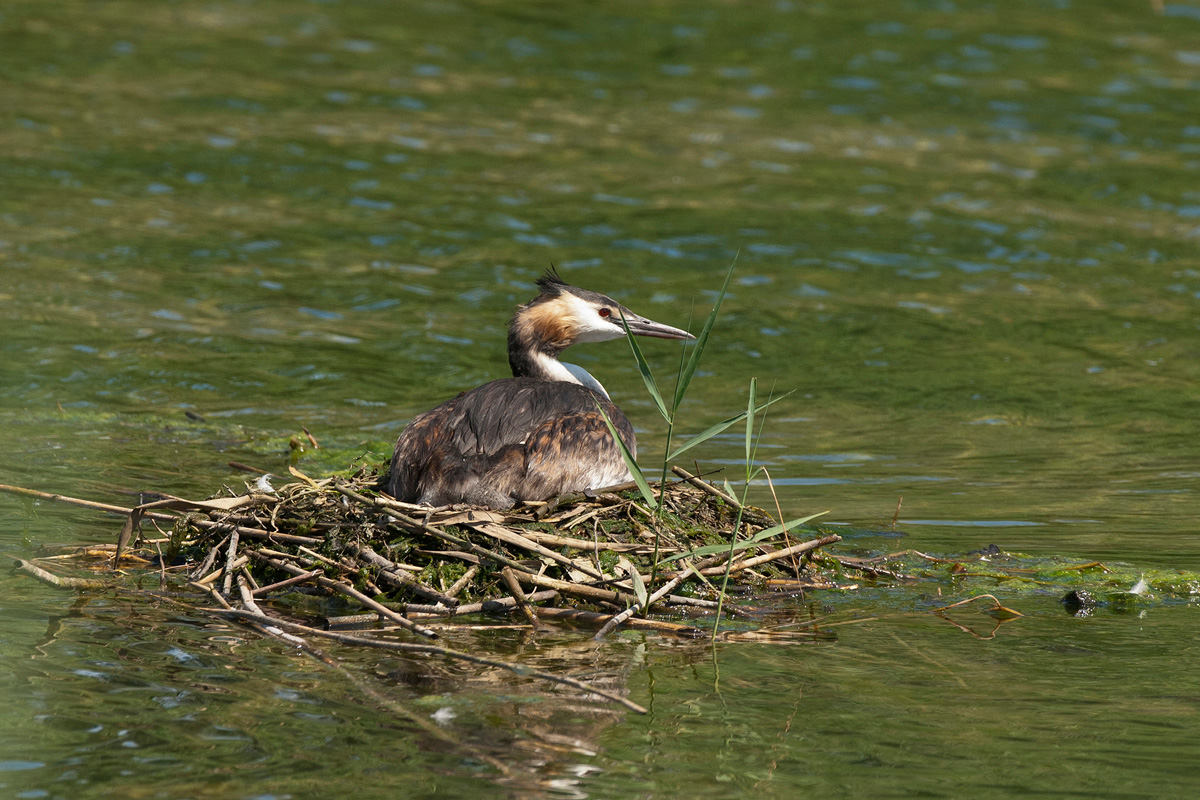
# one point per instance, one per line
(550, 283)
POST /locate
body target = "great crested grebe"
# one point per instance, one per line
(537, 434)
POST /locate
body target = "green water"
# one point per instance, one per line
(966, 235)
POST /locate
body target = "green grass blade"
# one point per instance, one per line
(644, 368)
(634, 469)
(708, 433)
(685, 377)
(757, 538)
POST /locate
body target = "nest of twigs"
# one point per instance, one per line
(314, 551)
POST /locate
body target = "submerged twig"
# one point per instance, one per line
(57, 581)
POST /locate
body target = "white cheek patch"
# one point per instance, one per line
(589, 325)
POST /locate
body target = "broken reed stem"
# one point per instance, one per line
(428, 649)
(704, 485)
(230, 557)
(251, 606)
(57, 581)
(510, 580)
(301, 578)
(211, 577)
(579, 590)
(502, 534)
(541, 537)
(463, 582)
(209, 560)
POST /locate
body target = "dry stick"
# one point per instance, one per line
(778, 554)
(209, 560)
(462, 582)
(57, 581)
(409, 647)
(245, 573)
(251, 606)
(630, 601)
(695, 602)
(705, 486)
(583, 544)
(230, 557)
(350, 591)
(517, 540)
(393, 509)
(595, 512)
(250, 533)
(392, 574)
(579, 590)
(418, 611)
(510, 580)
(62, 498)
(204, 524)
(315, 556)
(211, 577)
(301, 578)
(573, 511)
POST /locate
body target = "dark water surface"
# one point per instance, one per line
(966, 235)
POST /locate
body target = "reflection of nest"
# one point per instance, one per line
(294, 562)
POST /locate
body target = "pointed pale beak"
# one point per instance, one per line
(640, 326)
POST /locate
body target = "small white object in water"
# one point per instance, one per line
(263, 484)
(443, 715)
(1141, 587)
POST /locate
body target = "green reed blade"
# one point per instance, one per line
(644, 368)
(708, 433)
(757, 538)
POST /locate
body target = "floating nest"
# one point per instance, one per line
(336, 558)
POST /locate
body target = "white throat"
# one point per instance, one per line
(556, 370)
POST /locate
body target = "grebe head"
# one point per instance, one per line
(562, 315)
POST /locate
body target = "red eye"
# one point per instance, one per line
(604, 312)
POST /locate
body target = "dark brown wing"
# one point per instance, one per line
(502, 441)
